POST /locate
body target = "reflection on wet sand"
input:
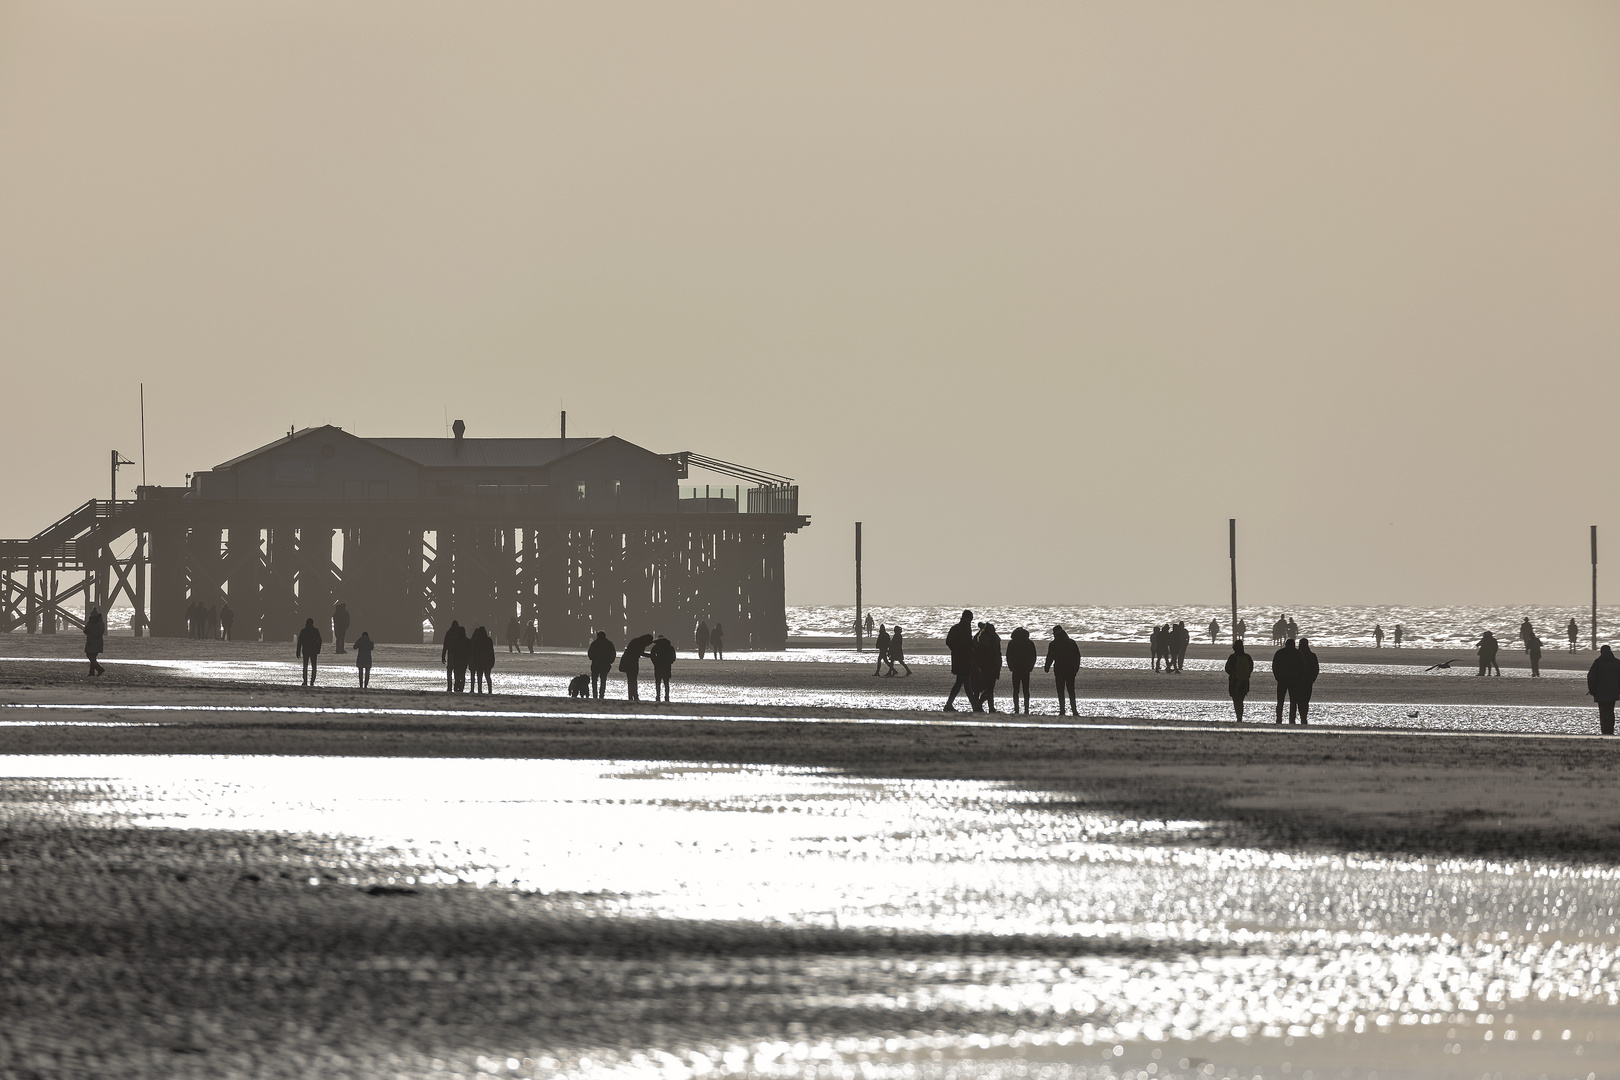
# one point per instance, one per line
(791, 921)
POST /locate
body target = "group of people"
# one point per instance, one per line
(520, 635)
(1295, 667)
(891, 650)
(705, 639)
(655, 647)
(209, 622)
(308, 646)
(1168, 644)
(976, 663)
(1378, 635)
(461, 651)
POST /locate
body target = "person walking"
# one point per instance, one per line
(95, 639)
(1526, 632)
(1533, 647)
(1304, 681)
(717, 642)
(662, 655)
(308, 647)
(1180, 638)
(340, 625)
(1574, 635)
(986, 665)
(1487, 653)
(1285, 669)
(959, 641)
(630, 665)
(362, 658)
(1378, 635)
(1214, 631)
(600, 654)
(531, 635)
(1020, 662)
(453, 655)
(868, 624)
(227, 619)
(514, 635)
(481, 658)
(882, 650)
(1239, 666)
(1603, 684)
(1063, 659)
(1400, 632)
(1156, 645)
(700, 638)
(1242, 630)
(897, 651)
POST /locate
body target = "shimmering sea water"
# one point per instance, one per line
(1430, 627)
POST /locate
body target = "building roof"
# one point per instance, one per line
(482, 453)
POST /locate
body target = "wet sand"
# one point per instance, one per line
(150, 949)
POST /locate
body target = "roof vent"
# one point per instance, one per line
(459, 428)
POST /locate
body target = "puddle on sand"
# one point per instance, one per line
(1151, 937)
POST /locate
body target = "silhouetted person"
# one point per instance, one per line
(630, 665)
(897, 651)
(1180, 638)
(1400, 632)
(531, 635)
(717, 642)
(1487, 653)
(601, 654)
(514, 635)
(1526, 632)
(213, 622)
(1239, 666)
(700, 638)
(1279, 630)
(1304, 681)
(362, 658)
(1020, 662)
(1156, 645)
(1378, 635)
(1242, 630)
(227, 619)
(868, 624)
(1603, 684)
(308, 647)
(882, 649)
(1063, 660)
(1214, 631)
(662, 655)
(95, 640)
(986, 665)
(1533, 648)
(454, 655)
(959, 641)
(1293, 629)
(1574, 635)
(1285, 669)
(481, 658)
(340, 625)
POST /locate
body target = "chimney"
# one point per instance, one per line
(565, 424)
(459, 428)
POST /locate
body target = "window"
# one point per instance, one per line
(579, 491)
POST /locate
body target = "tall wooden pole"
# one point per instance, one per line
(1594, 588)
(860, 632)
(1231, 544)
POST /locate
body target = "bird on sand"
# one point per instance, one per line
(1441, 667)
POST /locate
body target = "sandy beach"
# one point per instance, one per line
(174, 909)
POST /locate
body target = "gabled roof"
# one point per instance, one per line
(297, 436)
(483, 453)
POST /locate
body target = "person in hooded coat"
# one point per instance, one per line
(1487, 653)
(986, 665)
(481, 658)
(514, 635)
(453, 654)
(1603, 684)
(662, 655)
(959, 640)
(897, 650)
(362, 658)
(1063, 658)
(600, 654)
(1239, 666)
(630, 665)
(1285, 669)
(308, 647)
(882, 649)
(95, 640)
(1305, 674)
(1020, 662)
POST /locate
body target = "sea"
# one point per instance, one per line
(1343, 625)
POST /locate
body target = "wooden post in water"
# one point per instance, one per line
(1231, 544)
(860, 633)
(1594, 589)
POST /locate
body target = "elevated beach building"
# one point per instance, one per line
(575, 534)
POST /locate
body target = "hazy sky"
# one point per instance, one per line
(1042, 293)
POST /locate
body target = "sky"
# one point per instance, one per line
(1041, 293)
